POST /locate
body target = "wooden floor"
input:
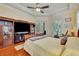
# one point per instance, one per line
(22, 52)
(11, 51)
(18, 43)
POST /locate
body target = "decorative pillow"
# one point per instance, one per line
(63, 40)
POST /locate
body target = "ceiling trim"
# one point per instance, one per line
(24, 11)
(18, 9)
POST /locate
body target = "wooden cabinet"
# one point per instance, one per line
(6, 33)
(9, 30)
(27, 36)
(1, 37)
(78, 33)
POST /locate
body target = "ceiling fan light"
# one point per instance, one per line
(38, 9)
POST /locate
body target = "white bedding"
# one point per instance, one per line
(44, 47)
(72, 47)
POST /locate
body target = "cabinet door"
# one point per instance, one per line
(8, 36)
(6, 33)
(1, 36)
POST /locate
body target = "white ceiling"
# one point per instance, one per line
(53, 8)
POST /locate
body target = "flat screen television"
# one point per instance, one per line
(21, 27)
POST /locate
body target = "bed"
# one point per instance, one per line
(72, 47)
(45, 46)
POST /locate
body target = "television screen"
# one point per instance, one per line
(21, 27)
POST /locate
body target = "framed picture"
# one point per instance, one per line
(67, 19)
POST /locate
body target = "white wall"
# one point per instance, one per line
(60, 16)
(8, 11)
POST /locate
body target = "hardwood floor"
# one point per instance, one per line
(18, 43)
(8, 51)
(11, 51)
(22, 52)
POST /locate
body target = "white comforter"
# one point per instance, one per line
(72, 47)
(44, 47)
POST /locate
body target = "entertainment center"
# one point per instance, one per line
(13, 31)
(22, 29)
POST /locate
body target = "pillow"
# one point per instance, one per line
(63, 40)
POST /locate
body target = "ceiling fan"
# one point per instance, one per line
(38, 8)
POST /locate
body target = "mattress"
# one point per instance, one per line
(47, 46)
(72, 47)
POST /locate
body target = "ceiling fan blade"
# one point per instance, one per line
(31, 7)
(41, 11)
(44, 7)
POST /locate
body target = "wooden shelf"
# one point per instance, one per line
(10, 39)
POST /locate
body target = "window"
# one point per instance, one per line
(40, 26)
